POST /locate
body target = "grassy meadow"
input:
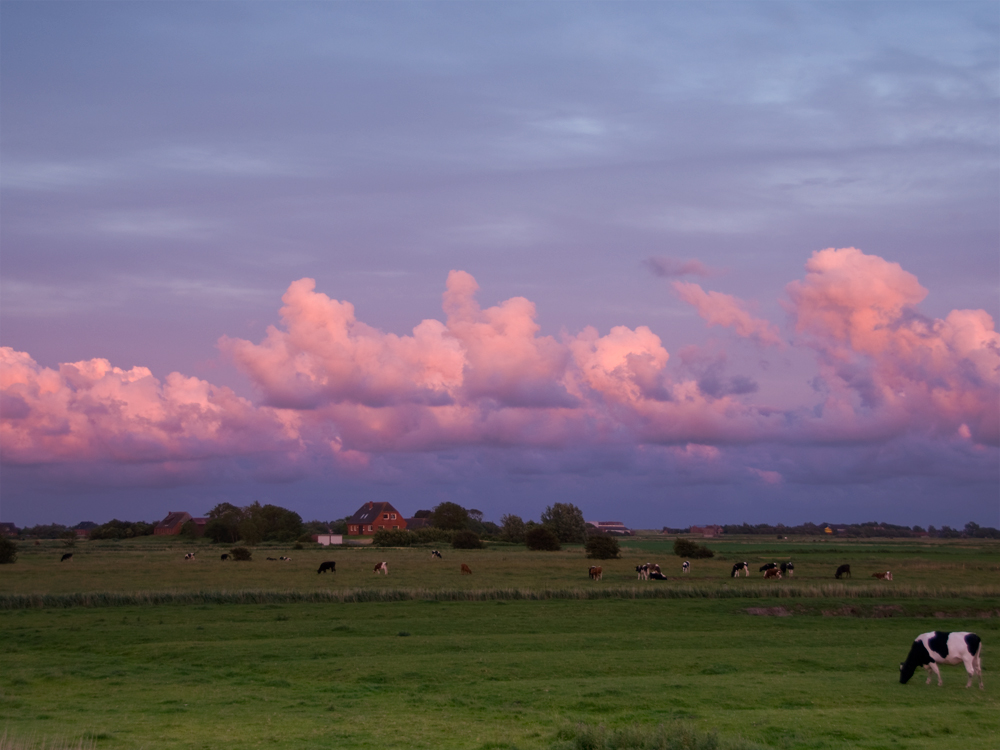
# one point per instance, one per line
(128, 645)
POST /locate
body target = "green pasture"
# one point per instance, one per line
(520, 654)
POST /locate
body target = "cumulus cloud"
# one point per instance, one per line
(336, 394)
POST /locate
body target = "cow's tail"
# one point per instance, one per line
(974, 642)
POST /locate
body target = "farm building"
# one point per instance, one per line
(171, 525)
(372, 517)
(421, 520)
(611, 527)
(327, 539)
(707, 531)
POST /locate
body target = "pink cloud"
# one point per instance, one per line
(725, 310)
(886, 364)
(337, 394)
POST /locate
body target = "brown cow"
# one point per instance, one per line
(772, 573)
(466, 569)
(887, 576)
(382, 567)
(596, 572)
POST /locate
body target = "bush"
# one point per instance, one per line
(8, 550)
(466, 540)
(240, 553)
(542, 538)
(298, 545)
(431, 535)
(687, 548)
(393, 538)
(602, 547)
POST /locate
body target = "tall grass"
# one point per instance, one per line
(11, 743)
(637, 737)
(355, 595)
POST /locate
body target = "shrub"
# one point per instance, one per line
(69, 543)
(298, 545)
(687, 548)
(431, 535)
(542, 538)
(240, 553)
(602, 547)
(8, 550)
(393, 538)
(466, 540)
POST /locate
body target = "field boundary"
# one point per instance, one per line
(357, 595)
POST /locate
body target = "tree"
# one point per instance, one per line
(450, 516)
(241, 553)
(542, 538)
(566, 520)
(602, 547)
(512, 529)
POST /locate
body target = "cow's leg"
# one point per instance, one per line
(932, 669)
(974, 666)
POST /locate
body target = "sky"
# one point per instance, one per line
(675, 263)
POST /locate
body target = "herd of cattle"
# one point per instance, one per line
(928, 649)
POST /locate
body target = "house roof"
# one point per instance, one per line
(369, 512)
(173, 518)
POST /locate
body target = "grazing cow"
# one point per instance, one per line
(285, 559)
(224, 557)
(787, 569)
(66, 557)
(887, 576)
(767, 566)
(330, 565)
(843, 570)
(189, 556)
(596, 572)
(466, 569)
(435, 553)
(686, 567)
(272, 559)
(643, 571)
(772, 573)
(738, 568)
(657, 575)
(930, 649)
(382, 567)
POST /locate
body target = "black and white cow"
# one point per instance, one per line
(787, 569)
(643, 571)
(740, 568)
(767, 566)
(189, 556)
(328, 565)
(224, 557)
(437, 554)
(931, 649)
(657, 575)
(66, 557)
(686, 567)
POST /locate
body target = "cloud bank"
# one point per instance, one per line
(337, 395)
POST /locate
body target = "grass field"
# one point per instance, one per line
(520, 654)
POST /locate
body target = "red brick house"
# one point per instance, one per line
(171, 525)
(372, 517)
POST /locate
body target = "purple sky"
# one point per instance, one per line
(168, 170)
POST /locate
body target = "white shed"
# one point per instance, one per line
(327, 539)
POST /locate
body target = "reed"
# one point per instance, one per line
(364, 595)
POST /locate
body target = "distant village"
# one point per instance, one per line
(256, 523)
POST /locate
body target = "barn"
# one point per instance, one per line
(171, 525)
(372, 517)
